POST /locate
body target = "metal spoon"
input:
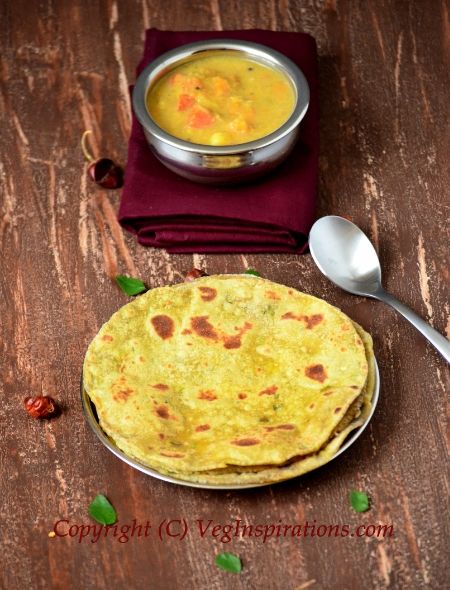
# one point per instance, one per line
(345, 255)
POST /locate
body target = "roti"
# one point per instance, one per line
(355, 418)
(229, 377)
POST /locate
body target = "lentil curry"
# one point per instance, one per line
(221, 99)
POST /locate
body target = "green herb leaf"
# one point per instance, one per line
(359, 501)
(102, 511)
(251, 271)
(229, 562)
(129, 285)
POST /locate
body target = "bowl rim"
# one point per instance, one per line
(253, 50)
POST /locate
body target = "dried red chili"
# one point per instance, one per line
(193, 274)
(103, 171)
(41, 406)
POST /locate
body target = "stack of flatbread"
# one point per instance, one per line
(230, 380)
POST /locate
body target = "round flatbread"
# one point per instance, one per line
(228, 372)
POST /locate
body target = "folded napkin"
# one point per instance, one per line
(273, 214)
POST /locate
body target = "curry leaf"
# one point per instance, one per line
(102, 511)
(251, 271)
(359, 501)
(229, 562)
(129, 285)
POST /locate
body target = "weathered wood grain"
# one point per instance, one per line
(384, 78)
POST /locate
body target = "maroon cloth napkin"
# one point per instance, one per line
(273, 214)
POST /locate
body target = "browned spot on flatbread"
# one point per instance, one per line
(232, 342)
(160, 386)
(163, 412)
(313, 320)
(312, 406)
(186, 332)
(207, 293)
(235, 340)
(173, 454)
(359, 342)
(354, 387)
(141, 359)
(280, 427)
(269, 390)
(161, 436)
(123, 394)
(291, 316)
(343, 349)
(208, 395)
(345, 327)
(163, 325)
(107, 338)
(202, 427)
(203, 328)
(337, 410)
(242, 395)
(316, 372)
(272, 295)
(310, 321)
(245, 442)
(328, 392)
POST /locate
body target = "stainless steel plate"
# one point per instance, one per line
(91, 417)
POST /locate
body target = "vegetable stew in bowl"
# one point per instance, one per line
(222, 99)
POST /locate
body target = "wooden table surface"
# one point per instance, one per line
(384, 79)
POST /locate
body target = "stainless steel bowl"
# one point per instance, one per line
(221, 164)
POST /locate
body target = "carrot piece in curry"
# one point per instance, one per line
(221, 86)
(186, 101)
(200, 118)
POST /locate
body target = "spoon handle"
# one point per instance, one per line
(437, 340)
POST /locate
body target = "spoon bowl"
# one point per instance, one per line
(345, 255)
